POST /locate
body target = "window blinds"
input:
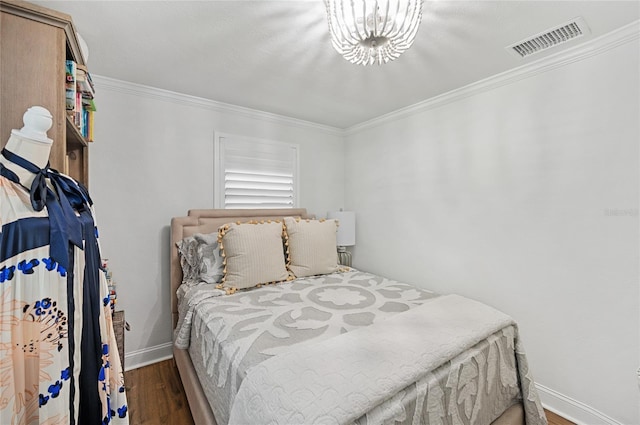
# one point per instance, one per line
(256, 173)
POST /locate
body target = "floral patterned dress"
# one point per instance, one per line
(56, 366)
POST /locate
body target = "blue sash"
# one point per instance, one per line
(64, 225)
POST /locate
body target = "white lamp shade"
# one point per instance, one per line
(346, 235)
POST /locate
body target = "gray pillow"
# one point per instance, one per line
(188, 250)
(211, 268)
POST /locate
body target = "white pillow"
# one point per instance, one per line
(312, 246)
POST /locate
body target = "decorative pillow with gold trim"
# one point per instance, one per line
(311, 246)
(253, 254)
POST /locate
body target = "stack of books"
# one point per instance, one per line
(80, 93)
(113, 295)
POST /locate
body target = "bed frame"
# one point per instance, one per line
(208, 221)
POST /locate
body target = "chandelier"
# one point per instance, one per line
(373, 31)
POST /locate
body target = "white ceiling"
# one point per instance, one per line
(276, 56)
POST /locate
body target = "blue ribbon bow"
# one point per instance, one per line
(64, 225)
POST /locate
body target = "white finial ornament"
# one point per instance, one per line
(37, 121)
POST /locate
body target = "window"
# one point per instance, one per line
(255, 173)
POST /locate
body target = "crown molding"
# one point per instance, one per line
(596, 46)
(135, 89)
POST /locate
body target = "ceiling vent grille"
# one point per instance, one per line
(552, 37)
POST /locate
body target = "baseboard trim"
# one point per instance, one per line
(571, 409)
(147, 356)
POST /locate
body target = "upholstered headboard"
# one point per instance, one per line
(208, 221)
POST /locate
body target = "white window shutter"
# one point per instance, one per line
(255, 173)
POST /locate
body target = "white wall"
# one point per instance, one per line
(153, 160)
(524, 196)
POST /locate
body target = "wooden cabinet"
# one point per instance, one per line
(35, 42)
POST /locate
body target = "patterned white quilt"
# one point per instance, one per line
(286, 354)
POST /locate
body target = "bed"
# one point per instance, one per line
(341, 347)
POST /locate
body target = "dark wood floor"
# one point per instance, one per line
(156, 397)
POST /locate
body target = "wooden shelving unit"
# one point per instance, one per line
(35, 42)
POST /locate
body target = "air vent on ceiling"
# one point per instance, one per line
(575, 28)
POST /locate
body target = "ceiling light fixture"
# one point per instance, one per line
(373, 31)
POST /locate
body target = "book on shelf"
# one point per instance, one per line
(70, 84)
(90, 129)
(88, 104)
(84, 82)
(77, 111)
(87, 125)
(80, 93)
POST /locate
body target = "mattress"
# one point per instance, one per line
(229, 336)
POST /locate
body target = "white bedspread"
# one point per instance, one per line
(339, 379)
(188, 298)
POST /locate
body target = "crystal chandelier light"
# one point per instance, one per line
(373, 31)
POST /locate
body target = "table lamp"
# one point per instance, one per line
(346, 235)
